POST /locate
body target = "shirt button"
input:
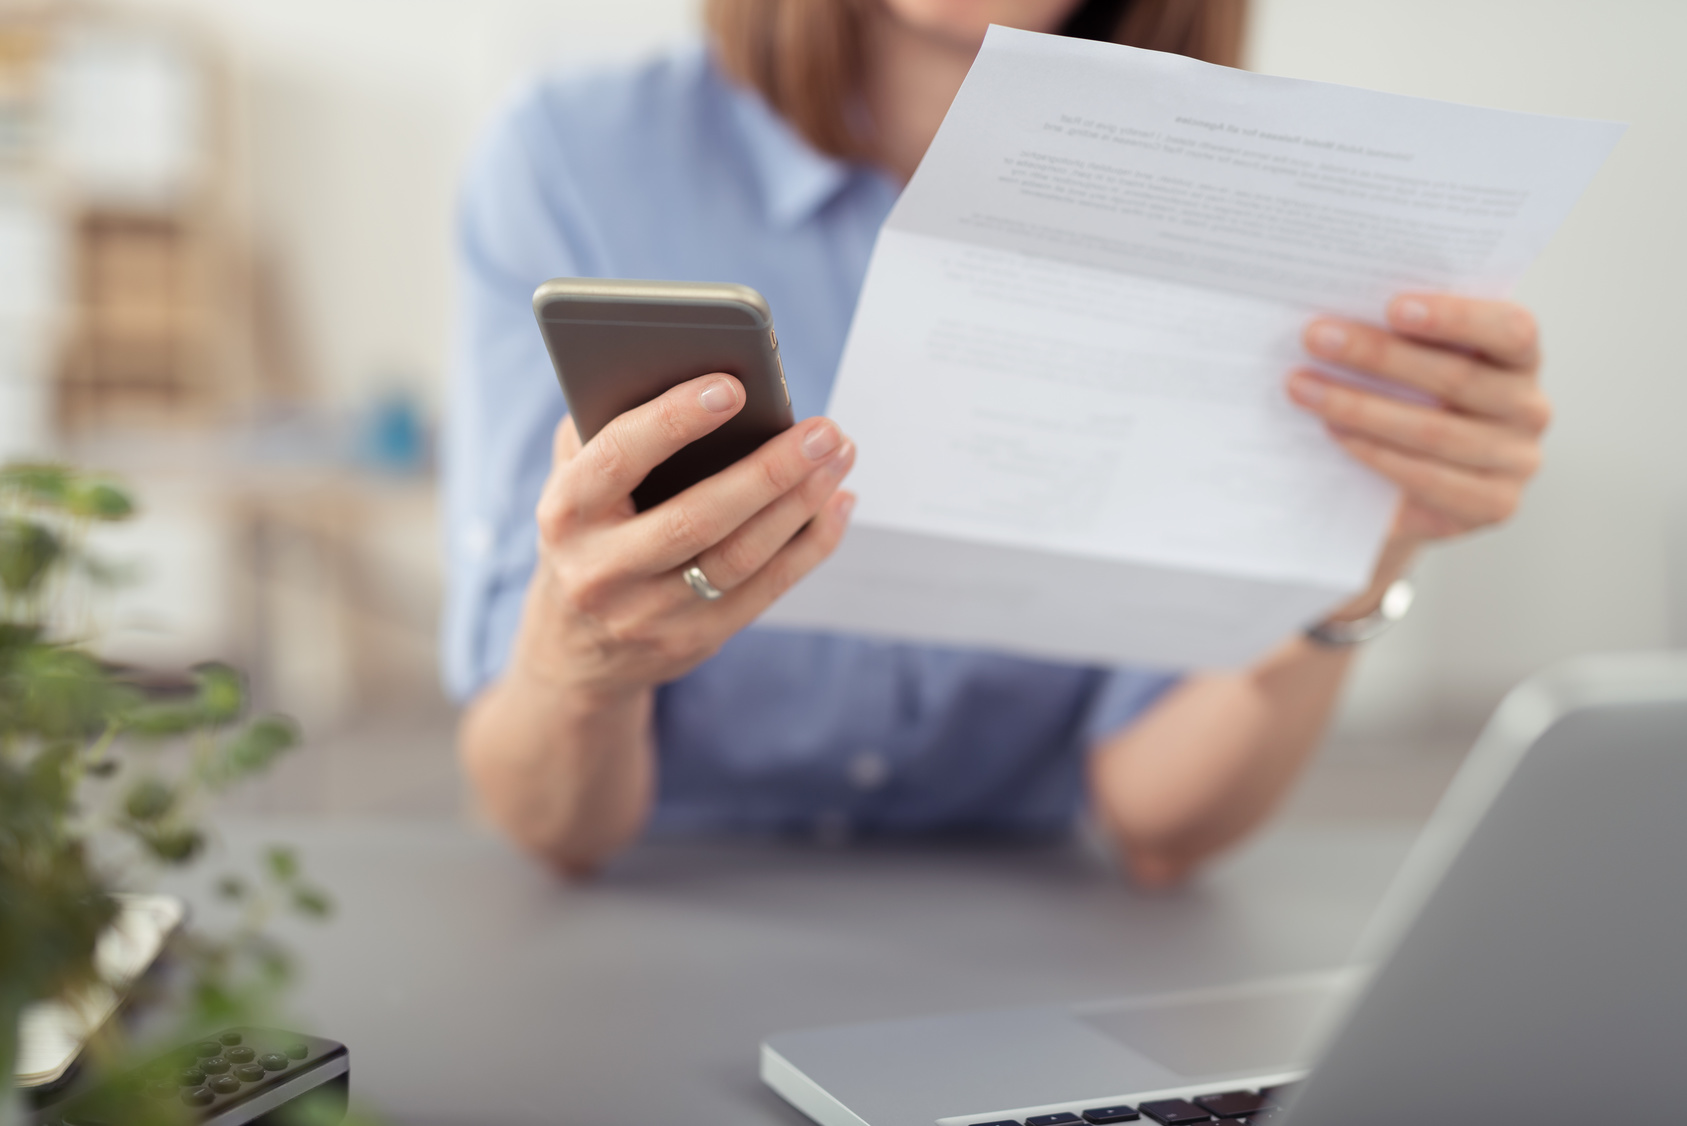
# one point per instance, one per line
(868, 770)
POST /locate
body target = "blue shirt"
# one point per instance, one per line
(668, 171)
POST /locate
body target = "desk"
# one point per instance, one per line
(474, 988)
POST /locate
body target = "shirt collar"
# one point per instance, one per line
(796, 180)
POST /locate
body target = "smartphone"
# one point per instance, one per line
(52, 1035)
(616, 344)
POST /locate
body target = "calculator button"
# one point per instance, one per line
(216, 1065)
(240, 1054)
(224, 1084)
(297, 1050)
(249, 1072)
(1102, 1114)
(273, 1061)
(198, 1096)
(229, 1037)
(190, 1077)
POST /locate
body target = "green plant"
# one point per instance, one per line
(104, 783)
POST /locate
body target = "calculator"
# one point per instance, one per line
(235, 1077)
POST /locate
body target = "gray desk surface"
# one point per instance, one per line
(474, 988)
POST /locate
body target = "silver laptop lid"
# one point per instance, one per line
(1533, 956)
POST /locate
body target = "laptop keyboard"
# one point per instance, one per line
(1224, 1108)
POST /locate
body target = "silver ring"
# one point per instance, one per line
(697, 581)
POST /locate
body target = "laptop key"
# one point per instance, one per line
(1233, 1104)
(1102, 1114)
(1280, 1094)
(1174, 1112)
(1000, 1122)
(1064, 1118)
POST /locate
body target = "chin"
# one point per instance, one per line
(967, 20)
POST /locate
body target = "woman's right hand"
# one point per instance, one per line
(608, 614)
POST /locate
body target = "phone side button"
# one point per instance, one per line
(783, 386)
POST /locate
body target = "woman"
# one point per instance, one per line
(605, 694)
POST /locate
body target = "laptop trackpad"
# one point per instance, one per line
(1247, 1029)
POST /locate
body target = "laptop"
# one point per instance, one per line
(1529, 965)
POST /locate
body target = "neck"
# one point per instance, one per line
(911, 78)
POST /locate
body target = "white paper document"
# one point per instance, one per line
(1065, 374)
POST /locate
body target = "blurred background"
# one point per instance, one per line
(226, 274)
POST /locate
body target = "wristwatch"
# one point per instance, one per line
(1396, 600)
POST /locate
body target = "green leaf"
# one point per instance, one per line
(27, 552)
(219, 698)
(149, 800)
(52, 908)
(214, 1004)
(312, 902)
(98, 500)
(16, 635)
(275, 966)
(57, 692)
(51, 778)
(174, 846)
(43, 484)
(222, 695)
(162, 720)
(282, 862)
(251, 751)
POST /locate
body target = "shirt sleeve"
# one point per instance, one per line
(1124, 695)
(515, 229)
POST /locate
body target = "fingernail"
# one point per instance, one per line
(1328, 339)
(820, 441)
(718, 396)
(1411, 311)
(839, 465)
(846, 506)
(1308, 390)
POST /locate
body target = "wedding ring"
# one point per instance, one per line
(697, 581)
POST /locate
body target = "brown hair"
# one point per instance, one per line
(806, 56)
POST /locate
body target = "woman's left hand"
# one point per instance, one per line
(1463, 461)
